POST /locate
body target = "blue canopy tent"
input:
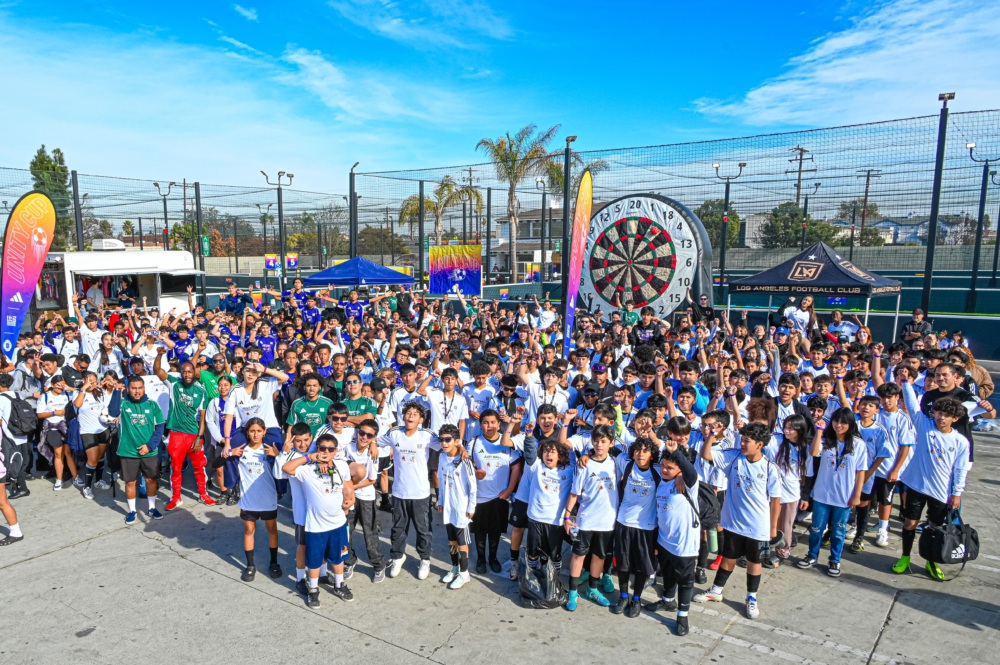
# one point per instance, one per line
(358, 271)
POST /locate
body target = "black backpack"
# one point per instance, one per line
(23, 420)
(628, 472)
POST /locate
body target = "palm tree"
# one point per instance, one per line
(447, 194)
(556, 177)
(515, 158)
(128, 229)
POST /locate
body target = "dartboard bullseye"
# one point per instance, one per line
(645, 249)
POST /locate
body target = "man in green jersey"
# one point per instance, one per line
(188, 401)
(359, 407)
(209, 377)
(310, 409)
(140, 433)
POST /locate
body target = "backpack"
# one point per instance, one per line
(11, 457)
(22, 420)
(628, 472)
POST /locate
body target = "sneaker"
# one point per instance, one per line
(595, 596)
(154, 514)
(857, 546)
(807, 562)
(826, 542)
(424, 570)
(450, 575)
(662, 606)
(852, 531)
(249, 573)
(513, 571)
(349, 571)
(571, 601)
(343, 593)
(923, 525)
(834, 569)
(207, 500)
(130, 518)
(57, 486)
(481, 567)
(101, 485)
(312, 599)
(384, 505)
(396, 566)
(584, 576)
(902, 566)
(700, 577)
(632, 611)
(460, 581)
(78, 483)
(607, 583)
(274, 570)
(379, 576)
(495, 567)
(710, 595)
(88, 493)
(232, 499)
(935, 571)
(752, 611)
(174, 504)
(620, 606)
(682, 626)
(302, 586)
(715, 564)
(882, 539)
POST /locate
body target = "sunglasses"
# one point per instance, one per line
(446, 439)
(352, 382)
(326, 449)
(366, 435)
(339, 419)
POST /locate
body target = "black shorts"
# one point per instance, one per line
(519, 515)
(149, 467)
(491, 517)
(721, 496)
(677, 569)
(457, 534)
(635, 549)
(545, 540)
(432, 460)
(596, 543)
(736, 546)
(384, 463)
(94, 440)
(300, 535)
(883, 490)
(937, 511)
(866, 498)
(55, 438)
(254, 515)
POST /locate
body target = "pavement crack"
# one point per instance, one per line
(468, 618)
(885, 624)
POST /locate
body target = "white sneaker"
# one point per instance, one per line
(513, 571)
(78, 482)
(851, 530)
(424, 570)
(882, 539)
(712, 594)
(57, 486)
(101, 485)
(752, 611)
(459, 581)
(396, 566)
(88, 493)
(450, 575)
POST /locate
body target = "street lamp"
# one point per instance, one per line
(165, 225)
(805, 216)
(265, 213)
(352, 215)
(970, 299)
(281, 220)
(540, 185)
(725, 224)
(566, 236)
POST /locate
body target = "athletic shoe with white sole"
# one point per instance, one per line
(58, 486)
(101, 485)
(450, 575)
(343, 593)
(88, 493)
(78, 483)
(882, 539)
(396, 565)
(460, 581)
(714, 595)
(349, 571)
(752, 610)
(513, 571)
(424, 570)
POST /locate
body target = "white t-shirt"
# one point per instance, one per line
(159, 392)
(536, 396)
(363, 458)
(409, 458)
(5, 407)
(257, 489)
(90, 341)
(148, 355)
(790, 485)
(747, 508)
(495, 460)
(298, 501)
(638, 504)
(399, 397)
(324, 495)
(676, 519)
(114, 363)
(478, 400)
(446, 410)
(89, 414)
(596, 487)
(457, 480)
(243, 406)
(52, 402)
(837, 474)
(548, 491)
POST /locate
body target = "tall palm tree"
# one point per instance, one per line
(556, 177)
(515, 158)
(129, 230)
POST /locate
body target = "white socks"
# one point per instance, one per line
(131, 505)
(15, 530)
(152, 502)
(300, 574)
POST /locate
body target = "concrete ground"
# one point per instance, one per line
(85, 588)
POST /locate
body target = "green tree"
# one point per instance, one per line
(51, 176)
(870, 237)
(710, 214)
(379, 240)
(515, 158)
(854, 207)
(783, 228)
(448, 193)
(555, 175)
(128, 229)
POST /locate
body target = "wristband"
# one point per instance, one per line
(308, 459)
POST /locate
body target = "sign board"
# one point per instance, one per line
(291, 261)
(271, 262)
(205, 250)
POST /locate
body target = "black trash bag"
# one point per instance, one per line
(540, 587)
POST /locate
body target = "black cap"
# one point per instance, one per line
(378, 385)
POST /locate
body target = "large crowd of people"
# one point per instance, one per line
(675, 449)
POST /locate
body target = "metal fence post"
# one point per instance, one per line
(201, 252)
(970, 300)
(489, 229)
(77, 212)
(932, 223)
(141, 246)
(420, 238)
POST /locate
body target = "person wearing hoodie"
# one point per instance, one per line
(140, 433)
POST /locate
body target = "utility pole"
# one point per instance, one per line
(800, 158)
(869, 174)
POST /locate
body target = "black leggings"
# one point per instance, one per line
(678, 577)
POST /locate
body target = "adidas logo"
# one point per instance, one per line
(17, 298)
(958, 552)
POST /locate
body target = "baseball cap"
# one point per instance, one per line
(591, 388)
(782, 330)
(918, 311)
(843, 338)
(599, 368)
(378, 385)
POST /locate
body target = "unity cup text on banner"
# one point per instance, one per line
(581, 229)
(30, 228)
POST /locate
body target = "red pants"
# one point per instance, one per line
(179, 448)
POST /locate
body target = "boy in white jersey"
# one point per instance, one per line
(497, 478)
(457, 479)
(876, 440)
(296, 445)
(750, 513)
(635, 525)
(900, 444)
(361, 451)
(595, 489)
(549, 479)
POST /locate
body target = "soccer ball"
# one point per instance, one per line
(458, 275)
(39, 241)
(106, 418)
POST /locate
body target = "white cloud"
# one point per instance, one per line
(429, 23)
(249, 13)
(892, 60)
(238, 44)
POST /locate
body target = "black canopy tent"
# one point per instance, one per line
(819, 271)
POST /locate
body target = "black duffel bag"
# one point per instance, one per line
(954, 542)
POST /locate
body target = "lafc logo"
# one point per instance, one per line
(805, 271)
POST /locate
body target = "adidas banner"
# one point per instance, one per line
(30, 227)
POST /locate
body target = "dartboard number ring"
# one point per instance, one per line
(640, 249)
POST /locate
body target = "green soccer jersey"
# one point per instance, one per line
(311, 413)
(630, 318)
(360, 406)
(138, 422)
(186, 405)
(211, 382)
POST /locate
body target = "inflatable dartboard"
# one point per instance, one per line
(648, 249)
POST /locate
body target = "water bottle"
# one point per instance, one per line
(574, 532)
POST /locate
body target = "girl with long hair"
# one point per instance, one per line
(789, 451)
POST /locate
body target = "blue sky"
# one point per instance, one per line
(217, 91)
